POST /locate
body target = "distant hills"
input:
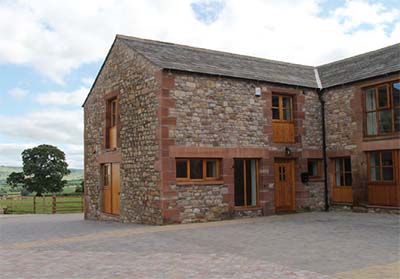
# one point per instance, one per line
(76, 174)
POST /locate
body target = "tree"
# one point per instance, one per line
(44, 167)
(15, 179)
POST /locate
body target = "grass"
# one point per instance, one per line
(23, 205)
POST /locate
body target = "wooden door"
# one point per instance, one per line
(111, 188)
(284, 186)
(342, 190)
(115, 189)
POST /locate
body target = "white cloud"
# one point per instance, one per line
(87, 81)
(60, 126)
(56, 37)
(10, 153)
(75, 97)
(18, 93)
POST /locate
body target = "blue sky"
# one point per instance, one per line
(51, 51)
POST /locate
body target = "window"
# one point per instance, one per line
(381, 166)
(106, 175)
(111, 124)
(282, 108)
(246, 182)
(197, 169)
(343, 172)
(382, 109)
(282, 119)
(314, 168)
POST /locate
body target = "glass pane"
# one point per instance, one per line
(275, 101)
(196, 169)
(181, 169)
(371, 124)
(339, 172)
(397, 120)
(286, 102)
(374, 174)
(347, 164)
(370, 99)
(385, 121)
(313, 168)
(396, 94)
(382, 97)
(251, 183)
(374, 159)
(239, 183)
(387, 159)
(275, 113)
(211, 168)
(348, 180)
(387, 174)
(287, 115)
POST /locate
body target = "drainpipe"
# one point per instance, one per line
(321, 100)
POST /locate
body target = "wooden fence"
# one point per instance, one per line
(42, 205)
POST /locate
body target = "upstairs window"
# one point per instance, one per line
(112, 124)
(282, 119)
(381, 167)
(382, 109)
(197, 169)
(282, 108)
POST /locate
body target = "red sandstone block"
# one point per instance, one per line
(167, 81)
(164, 132)
(171, 216)
(167, 103)
(168, 121)
(299, 114)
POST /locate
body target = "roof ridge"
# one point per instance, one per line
(225, 53)
(360, 55)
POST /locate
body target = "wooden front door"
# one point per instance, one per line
(111, 188)
(284, 186)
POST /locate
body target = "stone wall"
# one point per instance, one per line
(133, 78)
(213, 111)
(200, 203)
(223, 117)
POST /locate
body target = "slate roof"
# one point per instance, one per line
(375, 63)
(190, 59)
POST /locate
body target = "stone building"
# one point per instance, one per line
(177, 134)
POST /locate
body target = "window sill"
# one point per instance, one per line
(203, 182)
(316, 179)
(381, 137)
(246, 208)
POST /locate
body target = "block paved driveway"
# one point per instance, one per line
(306, 245)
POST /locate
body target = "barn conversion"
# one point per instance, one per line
(177, 134)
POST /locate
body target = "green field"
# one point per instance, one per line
(73, 179)
(44, 205)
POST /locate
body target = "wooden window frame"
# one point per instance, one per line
(112, 122)
(319, 171)
(380, 180)
(106, 175)
(204, 174)
(280, 108)
(389, 107)
(343, 172)
(257, 205)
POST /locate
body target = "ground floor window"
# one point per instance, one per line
(343, 172)
(381, 167)
(314, 168)
(197, 169)
(246, 182)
